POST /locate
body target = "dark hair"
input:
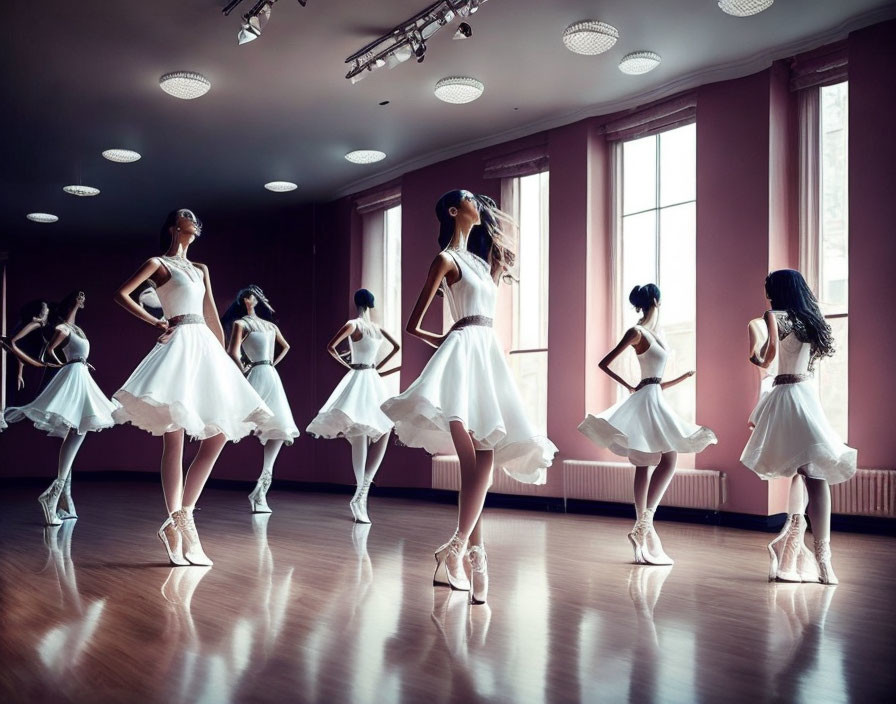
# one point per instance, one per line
(364, 298)
(788, 291)
(171, 221)
(59, 311)
(33, 343)
(490, 240)
(644, 297)
(238, 308)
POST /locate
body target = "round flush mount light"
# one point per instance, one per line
(121, 156)
(745, 8)
(41, 217)
(185, 85)
(82, 191)
(365, 156)
(280, 186)
(459, 89)
(639, 62)
(590, 37)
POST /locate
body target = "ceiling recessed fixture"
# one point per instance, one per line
(185, 85)
(121, 156)
(81, 190)
(281, 186)
(590, 37)
(41, 217)
(639, 62)
(365, 156)
(459, 89)
(745, 8)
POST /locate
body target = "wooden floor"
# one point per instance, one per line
(306, 606)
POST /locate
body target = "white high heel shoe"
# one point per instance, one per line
(478, 574)
(186, 526)
(171, 539)
(450, 565)
(48, 501)
(258, 499)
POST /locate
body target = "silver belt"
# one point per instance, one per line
(647, 381)
(76, 360)
(790, 379)
(482, 320)
(362, 366)
(186, 319)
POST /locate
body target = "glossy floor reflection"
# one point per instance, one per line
(303, 605)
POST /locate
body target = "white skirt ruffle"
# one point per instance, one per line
(353, 408)
(642, 427)
(190, 383)
(266, 381)
(467, 379)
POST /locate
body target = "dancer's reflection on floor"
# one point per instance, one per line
(645, 585)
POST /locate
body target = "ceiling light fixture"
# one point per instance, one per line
(41, 217)
(458, 89)
(464, 31)
(82, 191)
(744, 8)
(254, 20)
(365, 156)
(590, 37)
(185, 85)
(409, 38)
(121, 156)
(280, 186)
(639, 62)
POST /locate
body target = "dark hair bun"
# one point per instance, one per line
(643, 297)
(363, 298)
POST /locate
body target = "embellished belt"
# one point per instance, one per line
(76, 360)
(186, 319)
(791, 379)
(469, 320)
(362, 366)
(647, 381)
(263, 362)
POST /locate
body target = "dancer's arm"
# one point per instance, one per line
(123, 295)
(395, 348)
(284, 345)
(343, 333)
(59, 335)
(766, 355)
(677, 380)
(208, 306)
(24, 357)
(443, 267)
(630, 339)
(236, 342)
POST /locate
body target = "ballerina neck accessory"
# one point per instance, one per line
(183, 264)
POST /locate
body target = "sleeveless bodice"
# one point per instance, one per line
(653, 360)
(475, 292)
(793, 355)
(364, 351)
(183, 293)
(258, 342)
(77, 346)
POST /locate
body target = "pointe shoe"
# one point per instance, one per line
(359, 507)
(655, 554)
(68, 512)
(449, 564)
(258, 499)
(786, 552)
(186, 526)
(823, 558)
(478, 574)
(171, 539)
(638, 538)
(48, 501)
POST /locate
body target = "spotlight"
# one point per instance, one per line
(420, 52)
(255, 21)
(464, 31)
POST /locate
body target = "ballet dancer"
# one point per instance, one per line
(253, 337)
(465, 401)
(186, 383)
(353, 409)
(70, 406)
(792, 436)
(642, 427)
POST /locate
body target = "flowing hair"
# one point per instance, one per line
(238, 308)
(788, 291)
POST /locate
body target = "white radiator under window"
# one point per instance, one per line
(871, 492)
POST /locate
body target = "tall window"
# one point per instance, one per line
(656, 243)
(528, 196)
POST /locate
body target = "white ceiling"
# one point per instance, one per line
(82, 76)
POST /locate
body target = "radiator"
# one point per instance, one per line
(446, 475)
(612, 481)
(871, 492)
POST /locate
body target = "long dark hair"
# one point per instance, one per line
(788, 291)
(171, 221)
(238, 308)
(644, 297)
(490, 240)
(59, 311)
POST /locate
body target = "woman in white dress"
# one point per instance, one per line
(642, 427)
(791, 435)
(465, 401)
(353, 409)
(70, 406)
(186, 383)
(253, 340)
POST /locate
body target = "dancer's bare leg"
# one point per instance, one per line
(659, 482)
(173, 469)
(258, 500)
(201, 467)
(819, 508)
(642, 481)
(475, 479)
(375, 453)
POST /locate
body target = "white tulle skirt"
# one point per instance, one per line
(792, 431)
(642, 427)
(353, 408)
(467, 379)
(190, 383)
(266, 381)
(72, 400)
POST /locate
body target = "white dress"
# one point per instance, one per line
(468, 379)
(353, 408)
(72, 399)
(791, 428)
(643, 426)
(258, 346)
(189, 382)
